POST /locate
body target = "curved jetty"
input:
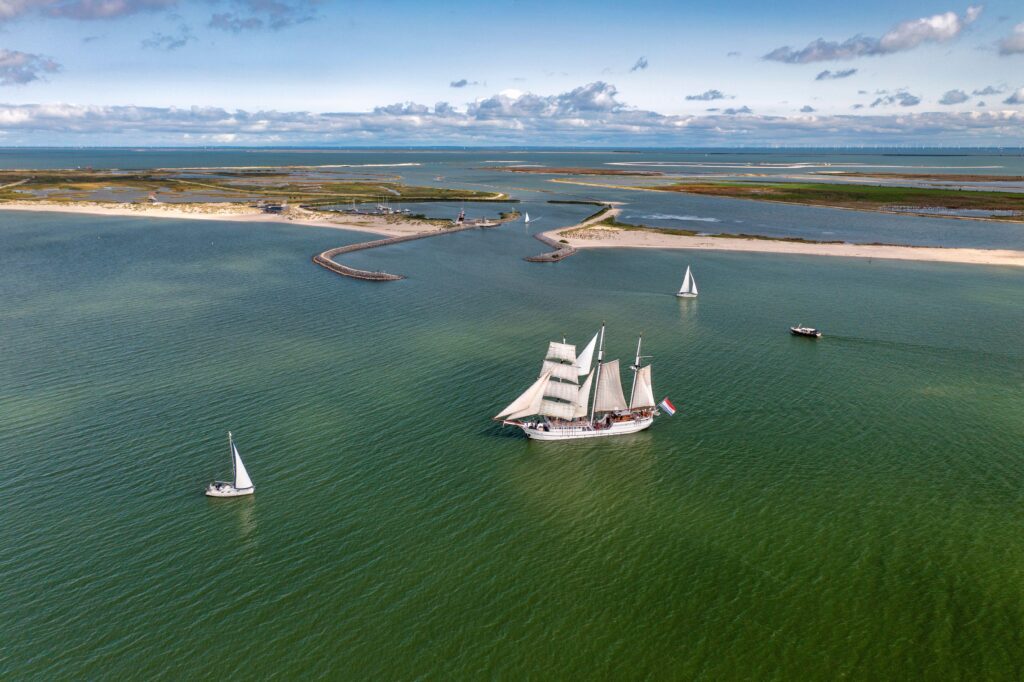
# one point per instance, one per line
(560, 250)
(325, 259)
(563, 250)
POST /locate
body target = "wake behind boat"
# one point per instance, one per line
(556, 407)
(240, 483)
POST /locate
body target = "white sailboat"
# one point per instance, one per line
(557, 407)
(526, 217)
(240, 483)
(689, 288)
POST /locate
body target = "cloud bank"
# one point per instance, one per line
(1013, 43)
(589, 115)
(18, 68)
(939, 28)
(707, 96)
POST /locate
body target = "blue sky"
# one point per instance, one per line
(200, 72)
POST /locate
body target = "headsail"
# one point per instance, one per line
(529, 402)
(584, 359)
(689, 283)
(583, 396)
(526, 217)
(643, 392)
(242, 479)
(609, 392)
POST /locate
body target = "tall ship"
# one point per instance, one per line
(558, 407)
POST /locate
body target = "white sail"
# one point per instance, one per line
(643, 392)
(584, 359)
(561, 390)
(560, 371)
(242, 479)
(529, 402)
(583, 397)
(526, 217)
(689, 283)
(609, 391)
(550, 408)
(561, 351)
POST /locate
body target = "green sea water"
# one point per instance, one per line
(850, 507)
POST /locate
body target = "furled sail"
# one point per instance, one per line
(242, 479)
(584, 359)
(561, 371)
(561, 390)
(643, 392)
(529, 402)
(561, 351)
(550, 408)
(609, 389)
(583, 397)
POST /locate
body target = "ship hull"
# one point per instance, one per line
(550, 432)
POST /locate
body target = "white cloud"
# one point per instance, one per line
(707, 96)
(80, 9)
(954, 97)
(588, 115)
(1013, 43)
(990, 90)
(907, 35)
(1016, 97)
(901, 97)
(18, 68)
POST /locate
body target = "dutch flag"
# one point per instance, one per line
(667, 406)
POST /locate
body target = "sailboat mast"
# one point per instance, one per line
(597, 379)
(231, 451)
(636, 370)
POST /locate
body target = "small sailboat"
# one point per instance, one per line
(240, 483)
(526, 217)
(689, 288)
(558, 407)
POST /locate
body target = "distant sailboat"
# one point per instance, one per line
(240, 484)
(526, 218)
(557, 407)
(689, 288)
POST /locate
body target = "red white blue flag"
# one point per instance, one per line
(667, 406)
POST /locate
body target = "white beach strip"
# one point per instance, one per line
(600, 236)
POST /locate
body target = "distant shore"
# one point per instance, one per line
(596, 235)
(392, 226)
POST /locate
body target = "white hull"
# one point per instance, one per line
(542, 431)
(227, 490)
(687, 295)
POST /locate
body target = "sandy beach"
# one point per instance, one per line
(392, 226)
(591, 236)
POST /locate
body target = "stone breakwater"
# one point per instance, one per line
(325, 259)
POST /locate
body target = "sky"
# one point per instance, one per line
(523, 73)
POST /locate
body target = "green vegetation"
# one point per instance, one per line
(294, 185)
(862, 197)
(598, 214)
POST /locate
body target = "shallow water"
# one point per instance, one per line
(845, 507)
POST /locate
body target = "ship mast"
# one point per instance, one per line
(636, 370)
(597, 379)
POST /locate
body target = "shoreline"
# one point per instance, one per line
(232, 213)
(832, 207)
(600, 236)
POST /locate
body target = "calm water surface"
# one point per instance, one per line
(847, 507)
